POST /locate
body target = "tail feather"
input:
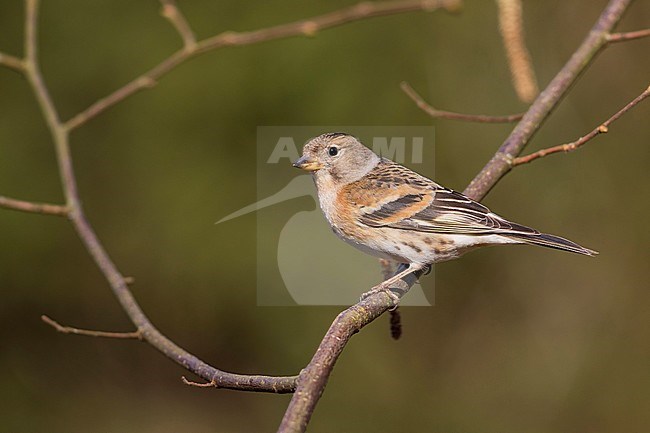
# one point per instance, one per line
(551, 241)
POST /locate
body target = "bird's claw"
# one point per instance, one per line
(383, 288)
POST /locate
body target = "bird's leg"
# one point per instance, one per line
(385, 286)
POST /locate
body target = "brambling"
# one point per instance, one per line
(389, 211)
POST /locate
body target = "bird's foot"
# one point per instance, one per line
(383, 287)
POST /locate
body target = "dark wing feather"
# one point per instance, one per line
(388, 211)
(450, 212)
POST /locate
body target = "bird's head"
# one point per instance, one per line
(337, 156)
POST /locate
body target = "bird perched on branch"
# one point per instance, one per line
(389, 211)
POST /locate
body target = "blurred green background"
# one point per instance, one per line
(520, 339)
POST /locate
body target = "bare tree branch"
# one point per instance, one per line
(511, 26)
(450, 115)
(308, 27)
(31, 207)
(569, 147)
(60, 134)
(501, 162)
(628, 36)
(175, 16)
(144, 328)
(11, 62)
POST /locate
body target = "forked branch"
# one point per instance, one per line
(144, 328)
(32, 207)
(90, 333)
(12, 62)
(501, 162)
(60, 134)
(178, 20)
(603, 128)
(308, 27)
(628, 36)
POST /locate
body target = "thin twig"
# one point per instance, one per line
(511, 26)
(31, 207)
(308, 27)
(435, 113)
(136, 335)
(12, 62)
(501, 162)
(175, 16)
(569, 147)
(211, 384)
(628, 36)
(117, 282)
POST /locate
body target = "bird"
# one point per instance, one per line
(389, 211)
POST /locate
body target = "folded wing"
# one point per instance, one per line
(449, 212)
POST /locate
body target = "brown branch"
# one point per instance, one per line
(308, 27)
(136, 335)
(313, 378)
(118, 284)
(175, 16)
(511, 26)
(12, 62)
(424, 106)
(628, 36)
(501, 162)
(31, 207)
(569, 147)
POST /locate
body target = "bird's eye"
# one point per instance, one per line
(333, 151)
